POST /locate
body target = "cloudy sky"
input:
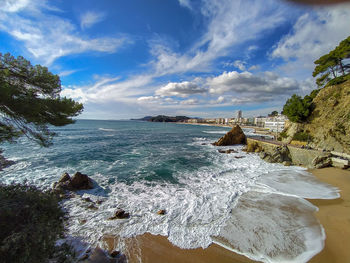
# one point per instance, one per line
(200, 58)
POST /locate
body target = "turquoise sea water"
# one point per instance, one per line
(142, 167)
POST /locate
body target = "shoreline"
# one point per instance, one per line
(257, 130)
(332, 215)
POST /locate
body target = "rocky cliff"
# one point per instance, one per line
(329, 123)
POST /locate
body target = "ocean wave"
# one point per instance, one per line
(105, 129)
(215, 132)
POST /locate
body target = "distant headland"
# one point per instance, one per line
(163, 118)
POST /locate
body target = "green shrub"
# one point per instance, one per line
(298, 109)
(283, 135)
(338, 80)
(302, 136)
(30, 223)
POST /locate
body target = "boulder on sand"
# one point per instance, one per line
(234, 136)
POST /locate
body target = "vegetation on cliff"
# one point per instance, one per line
(30, 101)
(328, 126)
(298, 109)
(30, 221)
(334, 69)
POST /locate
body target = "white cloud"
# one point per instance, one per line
(90, 18)
(76, 94)
(189, 102)
(240, 65)
(14, 5)
(49, 37)
(313, 35)
(254, 67)
(110, 89)
(182, 89)
(247, 82)
(229, 23)
(185, 3)
(67, 73)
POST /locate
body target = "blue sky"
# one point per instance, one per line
(200, 58)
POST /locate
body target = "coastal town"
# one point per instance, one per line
(274, 122)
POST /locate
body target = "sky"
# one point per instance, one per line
(199, 58)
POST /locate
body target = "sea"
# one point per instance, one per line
(236, 200)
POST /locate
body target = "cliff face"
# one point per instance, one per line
(329, 123)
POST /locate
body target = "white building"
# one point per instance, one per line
(260, 121)
(275, 124)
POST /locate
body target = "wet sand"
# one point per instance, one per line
(334, 215)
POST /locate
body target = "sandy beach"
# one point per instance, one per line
(333, 215)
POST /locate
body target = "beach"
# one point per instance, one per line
(333, 215)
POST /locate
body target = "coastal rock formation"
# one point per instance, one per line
(290, 155)
(227, 151)
(119, 214)
(322, 161)
(4, 162)
(329, 123)
(79, 181)
(235, 136)
(277, 155)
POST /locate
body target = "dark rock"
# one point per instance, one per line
(239, 157)
(81, 181)
(99, 202)
(87, 199)
(4, 163)
(93, 207)
(235, 136)
(119, 214)
(161, 212)
(64, 178)
(115, 253)
(66, 183)
(322, 161)
(227, 151)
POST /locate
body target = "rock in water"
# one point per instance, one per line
(81, 181)
(161, 212)
(234, 136)
(119, 214)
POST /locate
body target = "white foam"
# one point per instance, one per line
(298, 182)
(216, 132)
(105, 129)
(275, 228)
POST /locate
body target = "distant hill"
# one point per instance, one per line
(163, 118)
(146, 118)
